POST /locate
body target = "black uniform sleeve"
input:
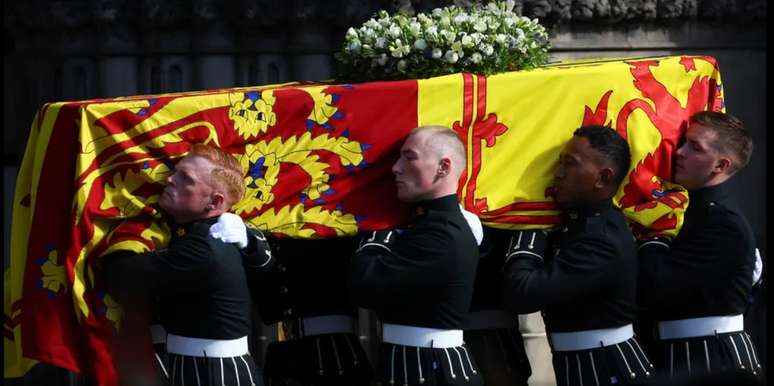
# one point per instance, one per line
(172, 270)
(390, 276)
(256, 257)
(529, 285)
(700, 260)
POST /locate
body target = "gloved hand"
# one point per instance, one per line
(527, 243)
(379, 239)
(655, 241)
(230, 229)
(758, 269)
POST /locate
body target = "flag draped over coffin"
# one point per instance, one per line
(317, 159)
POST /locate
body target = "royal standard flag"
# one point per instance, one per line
(317, 161)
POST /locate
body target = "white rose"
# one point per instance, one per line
(380, 42)
(437, 53)
(394, 31)
(487, 50)
(461, 18)
(475, 58)
(451, 57)
(467, 41)
(480, 27)
(415, 28)
(420, 44)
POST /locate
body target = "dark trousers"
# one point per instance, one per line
(624, 363)
(500, 355)
(327, 359)
(188, 370)
(680, 359)
(408, 365)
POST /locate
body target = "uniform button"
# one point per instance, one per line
(288, 312)
(283, 289)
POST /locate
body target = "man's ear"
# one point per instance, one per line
(723, 165)
(217, 200)
(444, 167)
(605, 177)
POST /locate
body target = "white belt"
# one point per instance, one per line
(489, 319)
(211, 348)
(421, 336)
(689, 328)
(588, 339)
(158, 334)
(327, 324)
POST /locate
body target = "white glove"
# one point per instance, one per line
(475, 225)
(230, 229)
(758, 270)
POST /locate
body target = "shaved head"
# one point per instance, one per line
(444, 142)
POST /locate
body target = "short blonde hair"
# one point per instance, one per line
(227, 173)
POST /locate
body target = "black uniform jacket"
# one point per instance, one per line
(308, 279)
(426, 279)
(589, 277)
(199, 283)
(708, 269)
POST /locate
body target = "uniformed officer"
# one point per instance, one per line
(306, 293)
(199, 280)
(419, 280)
(695, 287)
(492, 333)
(586, 284)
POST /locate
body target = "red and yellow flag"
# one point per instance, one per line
(317, 159)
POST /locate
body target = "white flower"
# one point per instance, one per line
(437, 53)
(461, 18)
(487, 49)
(372, 24)
(445, 21)
(451, 57)
(401, 65)
(380, 42)
(432, 31)
(394, 31)
(354, 46)
(420, 44)
(415, 28)
(383, 59)
(466, 41)
(475, 58)
(351, 33)
(448, 36)
(500, 38)
(480, 26)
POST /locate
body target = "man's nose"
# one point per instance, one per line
(396, 168)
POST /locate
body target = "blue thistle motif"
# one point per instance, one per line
(257, 169)
(253, 95)
(661, 193)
